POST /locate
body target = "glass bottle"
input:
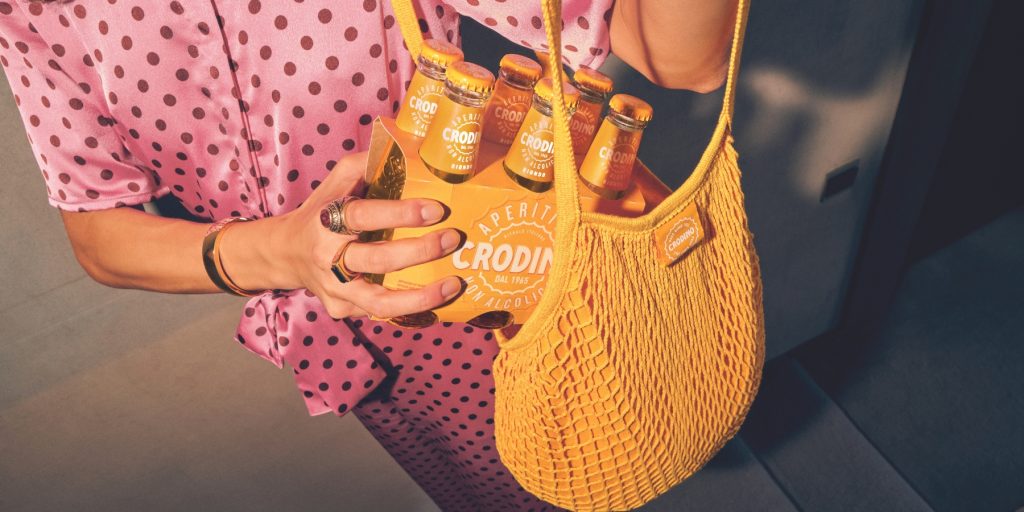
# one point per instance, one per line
(427, 86)
(608, 167)
(530, 160)
(511, 98)
(452, 142)
(594, 87)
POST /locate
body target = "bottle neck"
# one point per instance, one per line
(465, 97)
(625, 122)
(591, 95)
(516, 81)
(544, 106)
(431, 70)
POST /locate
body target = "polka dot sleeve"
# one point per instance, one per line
(80, 153)
(584, 35)
(334, 364)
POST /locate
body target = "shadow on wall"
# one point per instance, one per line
(818, 88)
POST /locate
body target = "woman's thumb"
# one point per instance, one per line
(346, 176)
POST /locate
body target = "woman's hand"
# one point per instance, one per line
(127, 248)
(303, 249)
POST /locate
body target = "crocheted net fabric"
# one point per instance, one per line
(647, 370)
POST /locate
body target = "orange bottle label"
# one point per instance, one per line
(507, 253)
(505, 113)
(453, 141)
(676, 237)
(532, 154)
(583, 125)
(420, 105)
(610, 159)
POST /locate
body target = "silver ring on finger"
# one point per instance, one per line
(332, 216)
(338, 267)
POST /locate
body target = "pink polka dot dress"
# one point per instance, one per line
(242, 108)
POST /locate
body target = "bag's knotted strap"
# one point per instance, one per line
(409, 24)
(566, 191)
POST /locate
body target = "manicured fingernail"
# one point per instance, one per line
(450, 239)
(451, 287)
(432, 212)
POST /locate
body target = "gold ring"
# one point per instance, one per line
(338, 266)
(333, 216)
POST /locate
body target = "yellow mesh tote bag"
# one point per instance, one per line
(645, 351)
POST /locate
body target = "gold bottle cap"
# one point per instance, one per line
(545, 89)
(440, 52)
(523, 68)
(544, 58)
(593, 80)
(469, 76)
(632, 107)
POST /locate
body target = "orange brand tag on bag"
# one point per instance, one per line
(676, 237)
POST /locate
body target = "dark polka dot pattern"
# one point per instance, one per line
(427, 395)
(116, 73)
(438, 418)
(243, 110)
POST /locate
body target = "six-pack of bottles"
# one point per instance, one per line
(485, 148)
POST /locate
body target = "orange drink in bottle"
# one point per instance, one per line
(530, 160)
(510, 101)
(594, 87)
(427, 86)
(452, 141)
(608, 167)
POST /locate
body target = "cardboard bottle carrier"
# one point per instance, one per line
(508, 230)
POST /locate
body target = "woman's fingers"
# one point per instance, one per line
(373, 214)
(384, 257)
(380, 302)
(361, 298)
(340, 308)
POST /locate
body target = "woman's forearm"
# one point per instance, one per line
(127, 248)
(679, 44)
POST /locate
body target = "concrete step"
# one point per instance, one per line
(939, 390)
(815, 454)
